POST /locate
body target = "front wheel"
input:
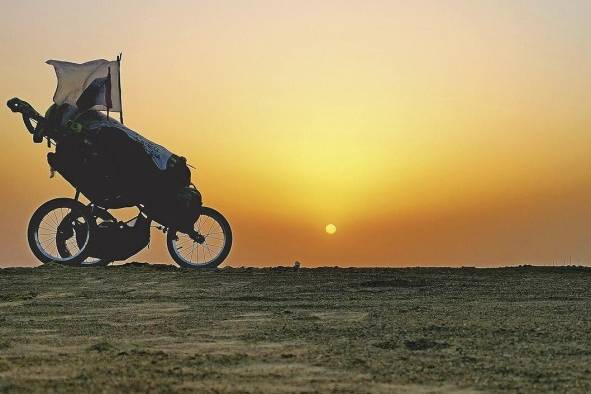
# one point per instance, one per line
(208, 245)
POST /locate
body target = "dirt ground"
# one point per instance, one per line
(143, 328)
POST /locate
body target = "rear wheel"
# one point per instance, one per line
(207, 246)
(58, 222)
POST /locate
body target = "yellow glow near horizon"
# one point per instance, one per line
(331, 229)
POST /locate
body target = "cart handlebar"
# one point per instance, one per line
(28, 113)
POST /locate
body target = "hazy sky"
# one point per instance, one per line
(429, 132)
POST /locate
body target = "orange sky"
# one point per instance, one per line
(429, 132)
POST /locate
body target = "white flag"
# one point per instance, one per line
(91, 85)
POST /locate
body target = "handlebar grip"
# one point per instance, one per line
(18, 105)
(28, 113)
(15, 104)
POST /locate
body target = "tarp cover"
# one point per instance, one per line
(87, 85)
(157, 153)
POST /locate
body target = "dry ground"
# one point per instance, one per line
(157, 328)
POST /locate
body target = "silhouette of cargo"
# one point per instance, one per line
(115, 167)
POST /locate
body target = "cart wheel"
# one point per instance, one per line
(62, 219)
(207, 247)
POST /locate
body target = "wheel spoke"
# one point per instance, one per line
(48, 229)
(210, 227)
(184, 241)
(210, 237)
(192, 250)
(206, 247)
(54, 215)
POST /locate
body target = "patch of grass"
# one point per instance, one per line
(389, 344)
(101, 347)
(26, 295)
(4, 366)
(424, 344)
(155, 267)
(54, 266)
(394, 283)
(252, 298)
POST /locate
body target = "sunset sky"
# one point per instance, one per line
(428, 132)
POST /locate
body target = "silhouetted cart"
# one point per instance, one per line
(115, 167)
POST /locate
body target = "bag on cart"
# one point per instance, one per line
(116, 167)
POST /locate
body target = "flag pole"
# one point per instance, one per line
(108, 92)
(119, 82)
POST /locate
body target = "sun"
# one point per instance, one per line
(331, 229)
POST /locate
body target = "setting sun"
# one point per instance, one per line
(331, 229)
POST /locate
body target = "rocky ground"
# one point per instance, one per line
(143, 328)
